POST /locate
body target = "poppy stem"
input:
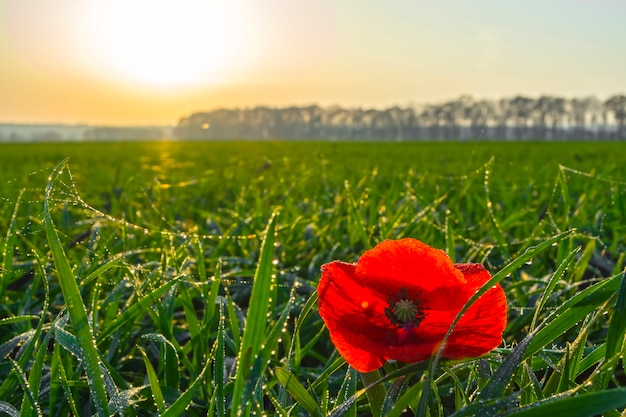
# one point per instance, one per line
(375, 392)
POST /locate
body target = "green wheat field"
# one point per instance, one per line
(179, 278)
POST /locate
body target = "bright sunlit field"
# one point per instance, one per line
(132, 274)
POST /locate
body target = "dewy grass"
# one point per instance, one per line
(155, 279)
(250, 357)
(86, 348)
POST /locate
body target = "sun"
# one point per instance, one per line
(166, 43)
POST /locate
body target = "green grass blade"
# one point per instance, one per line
(410, 228)
(136, 308)
(581, 266)
(170, 357)
(55, 393)
(406, 399)
(68, 341)
(75, 305)
(578, 347)
(8, 409)
(231, 307)
(395, 391)
(583, 405)
(213, 290)
(592, 358)
(376, 393)
(330, 369)
(295, 351)
(256, 317)
(6, 271)
(359, 224)
(488, 408)
(298, 392)
(565, 194)
(558, 273)
(180, 405)
(617, 326)
(34, 409)
(406, 370)
(345, 395)
(106, 266)
(571, 312)
(449, 233)
(9, 383)
(501, 378)
(191, 317)
(564, 371)
(155, 388)
(498, 234)
(64, 381)
(279, 409)
(14, 342)
(34, 378)
(219, 373)
(17, 319)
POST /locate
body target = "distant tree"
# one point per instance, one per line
(539, 116)
(617, 105)
(521, 110)
(579, 110)
(502, 115)
(481, 115)
(516, 118)
(557, 113)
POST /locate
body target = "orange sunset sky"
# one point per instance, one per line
(137, 62)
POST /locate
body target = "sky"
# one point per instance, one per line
(152, 62)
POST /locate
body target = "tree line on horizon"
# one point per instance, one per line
(465, 118)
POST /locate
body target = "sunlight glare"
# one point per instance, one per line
(165, 43)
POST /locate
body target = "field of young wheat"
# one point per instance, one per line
(173, 278)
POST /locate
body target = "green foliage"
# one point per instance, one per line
(179, 278)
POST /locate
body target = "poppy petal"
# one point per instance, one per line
(480, 329)
(394, 264)
(414, 345)
(350, 313)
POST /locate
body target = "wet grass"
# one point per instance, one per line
(170, 278)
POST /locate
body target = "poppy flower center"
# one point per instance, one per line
(405, 309)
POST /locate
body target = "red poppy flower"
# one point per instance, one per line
(399, 300)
